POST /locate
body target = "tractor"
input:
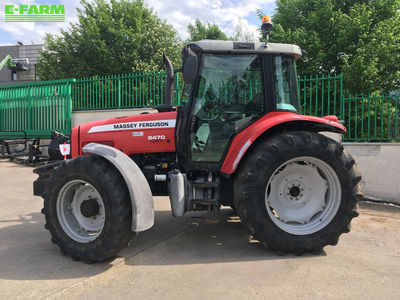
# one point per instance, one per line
(239, 140)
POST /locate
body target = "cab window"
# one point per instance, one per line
(228, 97)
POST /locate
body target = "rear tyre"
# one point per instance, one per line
(297, 192)
(87, 209)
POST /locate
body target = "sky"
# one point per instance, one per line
(227, 14)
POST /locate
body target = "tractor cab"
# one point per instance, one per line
(228, 86)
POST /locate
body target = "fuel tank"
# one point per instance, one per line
(145, 133)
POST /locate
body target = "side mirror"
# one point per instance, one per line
(190, 69)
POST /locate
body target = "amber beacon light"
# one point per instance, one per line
(266, 27)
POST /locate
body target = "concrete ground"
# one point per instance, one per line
(187, 259)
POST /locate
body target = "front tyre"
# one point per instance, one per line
(297, 192)
(87, 209)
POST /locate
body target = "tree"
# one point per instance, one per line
(110, 37)
(358, 38)
(198, 31)
(242, 35)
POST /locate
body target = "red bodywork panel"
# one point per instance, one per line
(245, 138)
(147, 133)
(155, 133)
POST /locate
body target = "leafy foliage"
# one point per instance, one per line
(358, 38)
(199, 31)
(110, 37)
(243, 35)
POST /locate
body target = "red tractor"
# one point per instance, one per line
(239, 141)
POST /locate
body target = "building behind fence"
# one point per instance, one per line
(41, 107)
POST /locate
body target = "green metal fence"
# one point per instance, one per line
(321, 95)
(37, 108)
(372, 118)
(40, 107)
(121, 91)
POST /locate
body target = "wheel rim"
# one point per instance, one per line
(303, 195)
(80, 211)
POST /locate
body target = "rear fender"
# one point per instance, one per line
(270, 124)
(139, 189)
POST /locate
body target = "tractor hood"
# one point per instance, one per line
(144, 133)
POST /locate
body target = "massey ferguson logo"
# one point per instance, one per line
(134, 125)
(140, 125)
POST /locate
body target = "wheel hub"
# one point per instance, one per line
(90, 208)
(80, 211)
(294, 191)
(300, 193)
(292, 205)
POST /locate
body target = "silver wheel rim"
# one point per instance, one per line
(303, 195)
(78, 227)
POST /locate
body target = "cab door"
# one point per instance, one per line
(228, 95)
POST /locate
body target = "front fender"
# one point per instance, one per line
(271, 123)
(139, 189)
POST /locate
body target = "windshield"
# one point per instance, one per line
(285, 84)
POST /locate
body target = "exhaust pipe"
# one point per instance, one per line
(169, 85)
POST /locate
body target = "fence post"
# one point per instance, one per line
(69, 105)
(119, 92)
(177, 90)
(341, 98)
(30, 105)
